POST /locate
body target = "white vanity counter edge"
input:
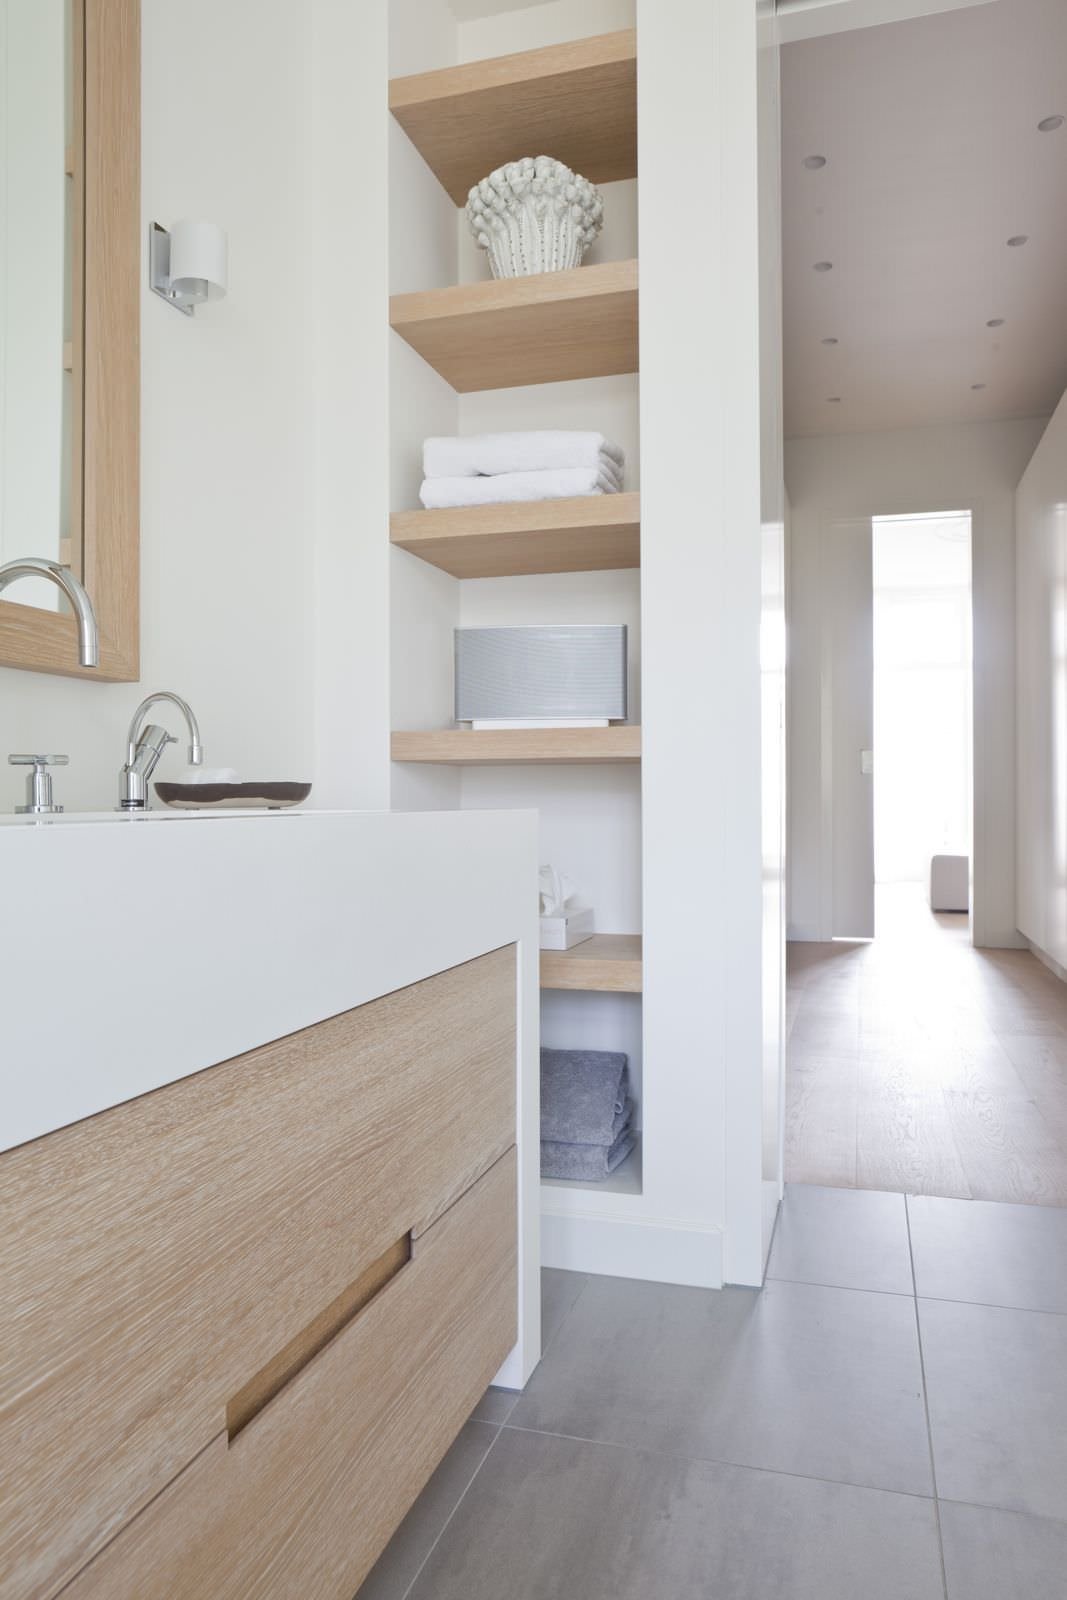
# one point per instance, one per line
(136, 954)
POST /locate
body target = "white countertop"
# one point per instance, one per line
(136, 950)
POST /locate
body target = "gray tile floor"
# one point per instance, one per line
(887, 1418)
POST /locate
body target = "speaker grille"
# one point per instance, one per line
(539, 673)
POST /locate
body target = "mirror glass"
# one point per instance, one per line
(40, 357)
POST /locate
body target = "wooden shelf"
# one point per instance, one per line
(609, 962)
(591, 533)
(546, 328)
(576, 101)
(497, 747)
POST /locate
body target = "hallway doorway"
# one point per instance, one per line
(923, 708)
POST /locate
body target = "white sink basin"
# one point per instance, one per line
(64, 818)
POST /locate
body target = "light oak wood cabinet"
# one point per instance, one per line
(244, 1316)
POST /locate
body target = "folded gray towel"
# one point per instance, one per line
(582, 1094)
(589, 1163)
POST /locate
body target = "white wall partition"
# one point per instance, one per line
(700, 442)
(423, 602)
(1041, 597)
(774, 558)
(345, 298)
(831, 480)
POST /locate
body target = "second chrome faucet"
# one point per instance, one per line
(144, 746)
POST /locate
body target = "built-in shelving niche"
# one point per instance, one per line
(579, 101)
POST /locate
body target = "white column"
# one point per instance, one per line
(700, 461)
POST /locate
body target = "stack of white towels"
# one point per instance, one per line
(487, 468)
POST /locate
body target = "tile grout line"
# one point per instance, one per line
(849, 1288)
(713, 1461)
(558, 1329)
(499, 1426)
(459, 1501)
(906, 1294)
(926, 1403)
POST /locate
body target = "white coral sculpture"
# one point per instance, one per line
(534, 215)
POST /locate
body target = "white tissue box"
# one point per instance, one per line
(561, 933)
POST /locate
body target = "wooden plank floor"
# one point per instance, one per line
(919, 1064)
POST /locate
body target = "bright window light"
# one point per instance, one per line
(922, 692)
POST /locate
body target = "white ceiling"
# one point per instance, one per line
(934, 161)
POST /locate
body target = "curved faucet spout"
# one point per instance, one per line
(64, 579)
(196, 749)
(146, 744)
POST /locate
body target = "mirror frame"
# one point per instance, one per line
(105, 357)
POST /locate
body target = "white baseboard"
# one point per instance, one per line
(1046, 960)
(630, 1247)
(510, 1375)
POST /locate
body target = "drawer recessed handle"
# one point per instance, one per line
(283, 1367)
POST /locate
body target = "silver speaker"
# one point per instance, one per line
(555, 676)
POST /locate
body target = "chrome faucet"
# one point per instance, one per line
(144, 746)
(64, 579)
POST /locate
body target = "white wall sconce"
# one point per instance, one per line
(187, 264)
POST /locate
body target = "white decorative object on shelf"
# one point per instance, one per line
(565, 922)
(534, 215)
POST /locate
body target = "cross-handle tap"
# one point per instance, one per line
(145, 745)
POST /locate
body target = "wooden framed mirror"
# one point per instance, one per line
(70, 251)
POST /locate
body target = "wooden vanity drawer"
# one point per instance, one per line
(302, 1502)
(157, 1256)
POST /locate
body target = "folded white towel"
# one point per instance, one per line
(487, 454)
(437, 493)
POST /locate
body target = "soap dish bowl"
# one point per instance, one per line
(232, 796)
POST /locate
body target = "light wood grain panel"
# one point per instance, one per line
(305, 1499)
(577, 101)
(590, 533)
(156, 1257)
(905, 1143)
(106, 369)
(1007, 1149)
(958, 1060)
(608, 961)
(820, 1123)
(545, 328)
(495, 747)
(283, 1367)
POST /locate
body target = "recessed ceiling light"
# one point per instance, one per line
(1018, 239)
(813, 163)
(977, 385)
(1050, 124)
(995, 322)
(833, 400)
(824, 266)
(829, 341)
